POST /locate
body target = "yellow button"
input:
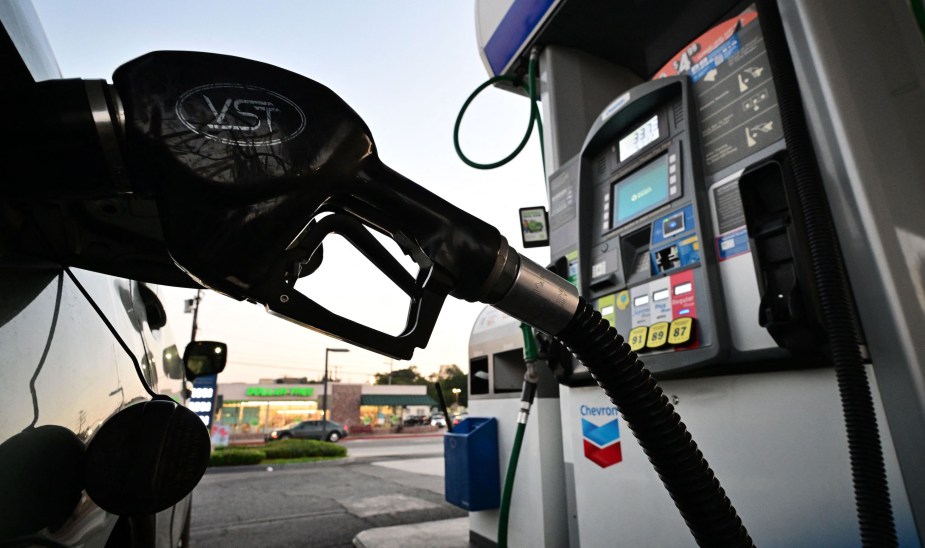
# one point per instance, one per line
(658, 335)
(681, 330)
(637, 338)
(623, 299)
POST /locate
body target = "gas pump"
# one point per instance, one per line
(642, 219)
(496, 372)
(675, 210)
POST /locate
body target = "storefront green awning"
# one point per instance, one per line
(397, 399)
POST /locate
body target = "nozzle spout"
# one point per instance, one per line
(540, 298)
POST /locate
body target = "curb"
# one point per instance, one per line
(260, 467)
(392, 436)
(279, 466)
(352, 437)
(444, 533)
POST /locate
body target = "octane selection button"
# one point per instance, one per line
(681, 331)
(658, 335)
(637, 338)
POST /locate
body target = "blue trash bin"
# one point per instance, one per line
(472, 475)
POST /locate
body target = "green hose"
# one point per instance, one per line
(526, 401)
(918, 11)
(530, 351)
(530, 88)
(505, 512)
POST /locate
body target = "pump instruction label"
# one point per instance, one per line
(562, 208)
(734, 91)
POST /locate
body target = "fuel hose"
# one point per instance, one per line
(865, 452)
(526, 401)
(552, 305)
(918, 11)
(671, 450)
(530, 88)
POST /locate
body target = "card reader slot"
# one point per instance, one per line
(635, 252)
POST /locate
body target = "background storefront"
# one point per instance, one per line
(246, 408)
(386, 409)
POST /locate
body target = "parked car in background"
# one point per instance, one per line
(438, 420)
(416, 420)
(459, 418)
(311, 430)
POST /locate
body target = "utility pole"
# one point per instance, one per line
(324, 401)
(193, 305)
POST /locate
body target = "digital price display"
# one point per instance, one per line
(641, 191)
(638, 139)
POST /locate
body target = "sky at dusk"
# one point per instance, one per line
(406, 67)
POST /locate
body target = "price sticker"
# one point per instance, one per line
(681, 330)
(658, 335)
(637, 338)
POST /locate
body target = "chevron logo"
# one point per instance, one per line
(602, 441)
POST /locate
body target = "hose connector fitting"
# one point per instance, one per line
(540, 298)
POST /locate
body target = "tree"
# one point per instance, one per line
(450, 377)
(408, 375)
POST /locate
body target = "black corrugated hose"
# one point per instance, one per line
(663, 437)
(871, 491)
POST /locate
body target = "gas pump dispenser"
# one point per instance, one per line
(675, 210)
(683, 209)
(650, 271)
(661, 240)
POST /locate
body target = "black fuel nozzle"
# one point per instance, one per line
(252, 166)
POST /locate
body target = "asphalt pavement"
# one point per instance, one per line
(386, 493)
(445, 533)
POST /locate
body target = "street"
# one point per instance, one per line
(405, 446)
(383, 482)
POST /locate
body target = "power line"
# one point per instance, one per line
(294, 368)
(224, 333)
(296, 359)
(248, 360)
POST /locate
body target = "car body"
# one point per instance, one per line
(62, 369)
(459, 418)
(310, 430)
(438, 420)
(60, 366)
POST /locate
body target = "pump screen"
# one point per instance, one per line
(640, 192)
(639, 138)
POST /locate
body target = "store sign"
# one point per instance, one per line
(266, 392)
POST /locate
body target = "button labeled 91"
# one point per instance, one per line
(637, 338)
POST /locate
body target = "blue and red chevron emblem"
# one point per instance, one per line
(602, 442)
